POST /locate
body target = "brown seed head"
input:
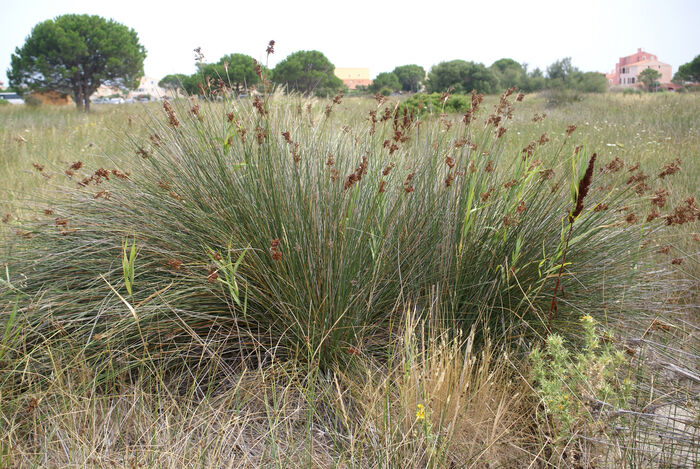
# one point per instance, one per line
(259, 105)
(583, 187)
(639, 177)
(664, 249)
(140, 151)
(653, 215)
(641, 188)
(448, 180)
(659, 198)
(670, 168)
(172, 118)
(260, 134)
(685, 213)
(510, 184)
(213, 275)
(614, 166)
(508, 220)
(275, 252)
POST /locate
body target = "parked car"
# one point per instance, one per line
(116, 101)
(12, 98)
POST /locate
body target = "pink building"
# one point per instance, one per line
(628, 68)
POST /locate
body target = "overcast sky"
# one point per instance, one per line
(383, 34)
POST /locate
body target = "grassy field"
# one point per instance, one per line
(336, 283)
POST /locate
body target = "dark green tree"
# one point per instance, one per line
(239, 71)
(509, 73)
(688, 72)
(307, 72)
(563, 75)
(234, 70)
(385, 81)
(76, 54)
(410, 77)
(561, 71)
(649, 78)
(534, 81)
(462, 76)
(173, 82)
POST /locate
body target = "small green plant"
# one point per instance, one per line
(128, 261)
(571, 385)
(229, 269)
(435, 103)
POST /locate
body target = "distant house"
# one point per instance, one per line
(148, 87)
(354, 77)
(627, 70)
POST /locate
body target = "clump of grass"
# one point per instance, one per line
(341, 227)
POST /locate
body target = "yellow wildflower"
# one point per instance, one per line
(420, 414)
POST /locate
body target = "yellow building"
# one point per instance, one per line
(354, 77)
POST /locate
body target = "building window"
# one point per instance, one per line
(644, 57)
(632, 80)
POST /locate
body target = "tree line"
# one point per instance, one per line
(311, 72)
(76, 54)
(463, 76)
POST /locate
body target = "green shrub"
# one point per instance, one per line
(435, 103)
(572, 386)
(32, 101)
(3, 102)
(560, 96)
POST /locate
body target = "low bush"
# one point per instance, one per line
(32, 101)
(436, 103)
(556, 97)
